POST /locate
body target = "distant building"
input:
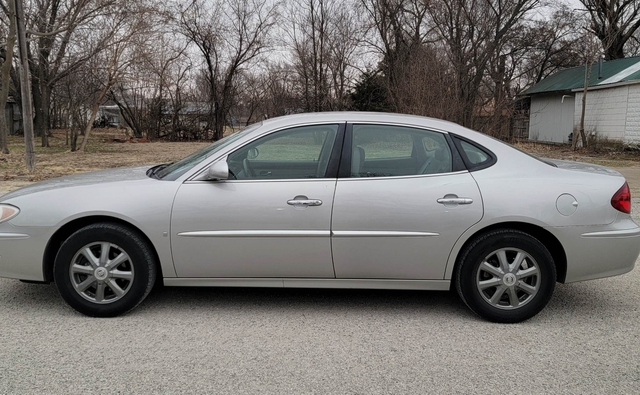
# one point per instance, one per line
(110, 116)
(613, 103)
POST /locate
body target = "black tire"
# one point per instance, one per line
(142, 264)
(467, 277)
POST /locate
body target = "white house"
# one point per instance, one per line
(612, 108)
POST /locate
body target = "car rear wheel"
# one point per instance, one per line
(104, 270)
(506, 276)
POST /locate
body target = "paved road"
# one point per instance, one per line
(321, 341)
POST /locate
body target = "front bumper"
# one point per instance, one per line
(22, 251)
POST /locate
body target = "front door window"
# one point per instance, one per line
(295, 153)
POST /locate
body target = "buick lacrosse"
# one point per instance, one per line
(329, 200)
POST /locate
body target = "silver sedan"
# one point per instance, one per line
(333, 200)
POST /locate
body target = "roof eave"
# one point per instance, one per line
(607, 86)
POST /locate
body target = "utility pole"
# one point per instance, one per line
(25, 88)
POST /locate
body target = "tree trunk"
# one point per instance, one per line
(25, 84)
(218, 131)
(4, 148)
(615, 52)
(574, 142)
(94, 113)
(46, 102)
(74, 139)
(5, 77)
(41, 101)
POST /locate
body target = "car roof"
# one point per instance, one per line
(361, 116)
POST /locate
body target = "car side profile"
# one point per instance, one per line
(328, 200)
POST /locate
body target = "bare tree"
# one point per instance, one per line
(347, 35)
(127, 31)
(150, 96)
(324, 38)
(614, 22)
(472, 32)
(548, 45)
(279, 94)
(310, 25)
(400, 32)
(55, 29)
(229, 35)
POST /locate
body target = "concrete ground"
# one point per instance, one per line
(322, 341)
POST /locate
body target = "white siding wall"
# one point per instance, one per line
(606, 112)
(632, 129)
(551, 118)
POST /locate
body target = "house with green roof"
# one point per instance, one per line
(612, 108)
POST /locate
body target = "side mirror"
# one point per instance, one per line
(218, 171)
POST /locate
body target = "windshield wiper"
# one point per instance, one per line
(152, 172)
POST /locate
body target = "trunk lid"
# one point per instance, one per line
(582, 167)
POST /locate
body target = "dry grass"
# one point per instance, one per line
(58, 160)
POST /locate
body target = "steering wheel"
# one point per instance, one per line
(248, 171)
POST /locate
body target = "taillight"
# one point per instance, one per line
(621, 201)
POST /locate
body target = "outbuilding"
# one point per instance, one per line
(612, 108)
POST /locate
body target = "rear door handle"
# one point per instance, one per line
(454, 200)
(303, 201)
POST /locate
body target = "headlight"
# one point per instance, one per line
(7, 212)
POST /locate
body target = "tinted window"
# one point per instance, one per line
(474, 154)
(301, 152)
(175, 170)
(384, 150)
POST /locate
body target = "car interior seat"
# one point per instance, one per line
(357, 161)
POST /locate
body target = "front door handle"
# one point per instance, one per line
(454, 200)
(303, 201)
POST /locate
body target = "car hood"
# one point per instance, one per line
(582, 167)
(96, 177)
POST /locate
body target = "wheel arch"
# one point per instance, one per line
(544, 236)
(56, 240)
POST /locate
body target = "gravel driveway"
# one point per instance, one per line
(321, 341)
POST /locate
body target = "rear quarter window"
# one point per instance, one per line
(475, 156)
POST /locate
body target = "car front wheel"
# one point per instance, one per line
(104, 270)
(506, 276)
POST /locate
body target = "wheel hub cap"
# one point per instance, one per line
(101, 273)
(509, 279)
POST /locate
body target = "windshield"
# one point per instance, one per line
(175, 170)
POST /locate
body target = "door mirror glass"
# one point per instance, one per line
(218, 171)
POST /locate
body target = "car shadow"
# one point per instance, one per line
(294, 299)
(577, 300)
